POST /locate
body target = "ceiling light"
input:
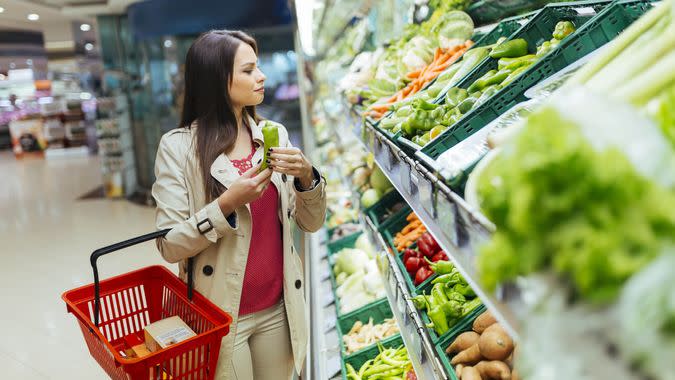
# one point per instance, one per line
(29, 61)
(168, 43)
(33, 16)
(89, 46)
(85, 27)
(2, 9)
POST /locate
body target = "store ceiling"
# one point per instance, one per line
(58, 18)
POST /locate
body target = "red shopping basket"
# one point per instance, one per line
(125, 304)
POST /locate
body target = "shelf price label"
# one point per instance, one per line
(404, 176)
(447, 217)
(401, 302)
(414, 181)
(426, 195)
(416, 345)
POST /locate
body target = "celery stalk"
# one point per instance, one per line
(649, 83)
(621, 42)
(642, 59)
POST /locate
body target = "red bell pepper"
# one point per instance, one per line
(413, 264)
(429, 242)
(424, 248)
(408, 253)
(422, 274)
(439, 256)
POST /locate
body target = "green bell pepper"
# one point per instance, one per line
(441, 267)
(464, 289)
(404, 111)
(487, 94)
(438, 318)
(424, 105)
(435, 89)
(389, 123)
(407, 127)
(470, 306)
(438, 294)
(511, 64)
(510, 49)
(563, 29)
(489, 80)
(514, 75)
(452, 278)
(424, 139)
(466, 105)
(415, 140)
(270, 140)
(455, 95)
(452, 309)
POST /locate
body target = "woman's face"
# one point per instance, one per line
(248, 82)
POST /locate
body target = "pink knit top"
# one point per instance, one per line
(263, 280)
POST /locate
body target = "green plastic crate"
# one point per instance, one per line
(446, 341)
(487, 11)
(346, 242)
(379, 311)
(357, 360)
(375, 211)
(592, 33)
(391, 226)
(504, 29)
(425, 318)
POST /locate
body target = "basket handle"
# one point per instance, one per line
(126, 244)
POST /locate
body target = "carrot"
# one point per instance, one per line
(379, 107)
(413, 74)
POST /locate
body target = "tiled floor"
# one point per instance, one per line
(46, 237)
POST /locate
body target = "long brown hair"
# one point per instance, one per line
(209, 65)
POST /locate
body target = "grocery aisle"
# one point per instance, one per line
(47, 236)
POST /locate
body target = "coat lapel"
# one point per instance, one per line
(223, 170)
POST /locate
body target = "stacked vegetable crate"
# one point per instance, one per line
(388, 231)
(594, 33)
(504, 29)
(594, 30)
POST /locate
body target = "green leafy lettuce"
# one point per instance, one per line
(559, 204)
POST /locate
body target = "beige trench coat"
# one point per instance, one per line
(221, 252)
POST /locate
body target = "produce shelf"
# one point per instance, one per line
(455, 225)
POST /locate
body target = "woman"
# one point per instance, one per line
(233, 218)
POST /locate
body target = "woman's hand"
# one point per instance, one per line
(245, 189)
(291, 161)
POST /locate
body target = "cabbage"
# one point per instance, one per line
(379, 181)
(350, 261)
(370, 197)
(364, 244)
(457, 27)
(575, 194)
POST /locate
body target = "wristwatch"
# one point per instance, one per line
(315, 181)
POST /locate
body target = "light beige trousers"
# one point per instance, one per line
(262, 347)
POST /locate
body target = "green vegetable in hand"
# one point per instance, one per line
(563, 29)
(510, 49)
(271, 140)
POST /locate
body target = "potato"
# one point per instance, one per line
(495, 343)
(514, 375)
(494, 370)
(462, 342)
(483, 321)
(470, 373)
(470, 356)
